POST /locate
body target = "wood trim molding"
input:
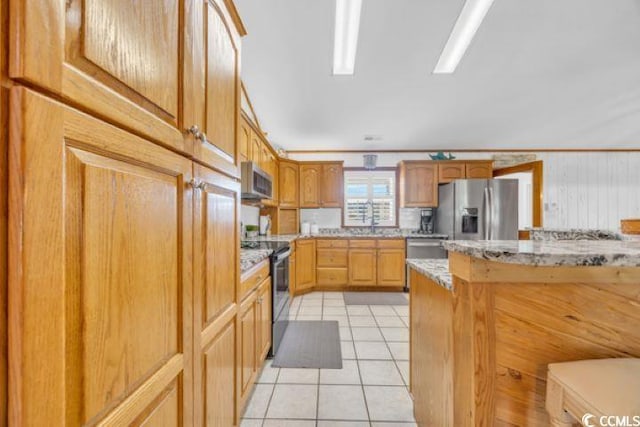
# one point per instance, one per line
(235, 16)
(537, 171)
(254, 120)
(465, 150)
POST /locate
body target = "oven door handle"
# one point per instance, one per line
(283, 255)
(424, 244)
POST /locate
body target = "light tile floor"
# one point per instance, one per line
(369, 391)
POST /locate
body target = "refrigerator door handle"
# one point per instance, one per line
(490, 216)
(485, 216)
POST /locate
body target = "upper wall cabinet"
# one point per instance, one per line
(471, 169)
(118, 59)
(321, 185)
(244, 141)
(418, 184)
(215, 86)
(288, 184)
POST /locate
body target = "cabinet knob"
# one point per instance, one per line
(197, 133)
(197, 185)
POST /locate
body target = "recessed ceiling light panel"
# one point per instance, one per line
(468, 22)
(345, 42)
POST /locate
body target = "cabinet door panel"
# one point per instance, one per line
(419, 184)
(447, 172)
(288, 184)
(332, 186)
(221, 113)
(306, 264)
(107, 56)
(264, 319)
(310, 186)
(391, 267)
(244, 141)
(106, 230)
(479, 170)
(219, 378)
(362, 267)
(248, 347)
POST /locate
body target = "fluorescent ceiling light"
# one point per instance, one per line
(466, 26)
(345, 42)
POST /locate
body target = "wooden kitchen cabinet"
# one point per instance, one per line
(448, 171)
(391, 267)
(293, 265)
(216, 278)
(305, 264)
(264, 320)
(248, 354)
(418, 184)
(288, 179)
(362, 267)
(256, 149)
(310, 185)
(117, 59)
(332, 185)
(216, 94)
(479, 170)
(101, 235)
(244, 141)
(321, 185)
(331, 263)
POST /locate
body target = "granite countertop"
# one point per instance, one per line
(341, 233)
(435, 269)
(546, 233)
(613, 253)
(251, 257)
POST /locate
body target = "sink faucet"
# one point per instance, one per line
(373, 216)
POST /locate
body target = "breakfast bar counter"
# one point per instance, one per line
(480, 347)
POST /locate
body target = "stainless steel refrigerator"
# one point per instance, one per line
(478, 209)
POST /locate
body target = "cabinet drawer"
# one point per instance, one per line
(332, 276)
(369, 243)
(335, 243)
(392, 243)
(255, 276)
(331, 258)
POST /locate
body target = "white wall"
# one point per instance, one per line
(581, 189)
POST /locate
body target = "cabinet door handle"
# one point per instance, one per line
(197, 133)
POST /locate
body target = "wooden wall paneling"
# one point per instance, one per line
(216, 295)
(122, 205)
(105, 58)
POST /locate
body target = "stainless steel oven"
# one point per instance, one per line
(280, 296)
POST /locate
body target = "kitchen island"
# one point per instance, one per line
(482, 338)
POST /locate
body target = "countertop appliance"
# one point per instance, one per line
(478, 209)
(279, 270)
(256, 183)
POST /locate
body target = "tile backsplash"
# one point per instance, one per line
(325, 218)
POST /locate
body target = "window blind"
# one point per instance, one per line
(364, 187)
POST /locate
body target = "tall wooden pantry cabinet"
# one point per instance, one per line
(123, 215)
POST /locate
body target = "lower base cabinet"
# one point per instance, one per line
(362, 267)
(219, 378)
(254, 320)
(391, 267)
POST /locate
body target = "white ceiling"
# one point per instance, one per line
(540, 74)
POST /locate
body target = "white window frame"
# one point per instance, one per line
(370, 176)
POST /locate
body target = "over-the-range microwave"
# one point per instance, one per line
(256, 183)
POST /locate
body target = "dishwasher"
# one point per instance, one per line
(424, 248)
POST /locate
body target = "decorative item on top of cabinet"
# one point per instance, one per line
(288, 180)
(306, 264)
(418, 184)
(321, 185)
(216, 293)
(107, 57)
(216, 85)
(101, 219)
